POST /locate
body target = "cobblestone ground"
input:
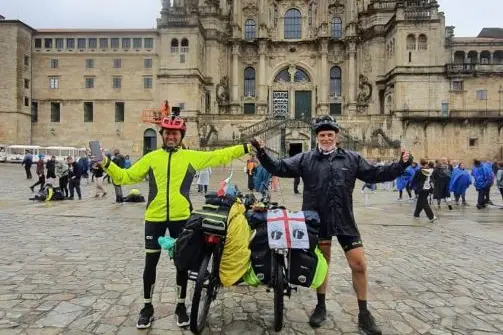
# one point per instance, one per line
(75, 267)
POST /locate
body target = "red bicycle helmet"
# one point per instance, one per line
(174, 123)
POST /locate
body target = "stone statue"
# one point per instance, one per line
(322, 11)
(365, 90)
(222, 91)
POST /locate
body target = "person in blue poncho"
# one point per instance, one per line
(483, 179)
(261, 179)
(460, 181)
(403, 182)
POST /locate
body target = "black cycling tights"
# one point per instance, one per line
(149, 274)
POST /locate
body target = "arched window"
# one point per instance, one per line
(282, 76)
(411, 42)
(459, 57)
(473, 57)
(485, 57)
(249, 87)
(250, 30)
(174, 45)
(184, 45)
(336, 27)
(301, 76)
(422, 42)
(293, 24)
(498, 57)
(335, 81)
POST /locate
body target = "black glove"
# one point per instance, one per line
(256, 146)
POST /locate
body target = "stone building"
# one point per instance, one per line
(390, 70)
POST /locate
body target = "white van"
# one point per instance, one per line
(15, 153)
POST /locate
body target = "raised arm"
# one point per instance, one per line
(285, 168)
(378, 174)
(203, 159)
(135, 174)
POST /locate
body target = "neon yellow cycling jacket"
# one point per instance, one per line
(170, 177)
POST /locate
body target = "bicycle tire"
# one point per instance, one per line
(197, 321)
(279, 290)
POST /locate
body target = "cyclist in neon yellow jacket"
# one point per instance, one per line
(170, 170)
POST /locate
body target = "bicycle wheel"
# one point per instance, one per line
(279, 290)
(202, 297)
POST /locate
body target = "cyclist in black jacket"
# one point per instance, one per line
(329, 174)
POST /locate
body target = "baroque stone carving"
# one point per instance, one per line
(222, 91)
(250, 9)
(365, 93)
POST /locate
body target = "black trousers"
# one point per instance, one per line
(27, 169)
(41, 182)
(482, 197)
(423, 204)
(75, 186)
(296, 182)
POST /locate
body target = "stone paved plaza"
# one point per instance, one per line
(75, 267)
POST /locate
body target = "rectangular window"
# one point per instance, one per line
(89, 82)
(38, 43)
(27, 83)
(81, 43)
(104, 43)
(473, 142)
(457, 85)
(116, 82)
(481, 94)
(54, 63)
(147, 63)
(335, 109)
(249, 109)
(89, 63)
(59, 43)
(114, 43)
(53, 83)
(126, 43)
(26, 60)
(182, 58)
(148, 43)
(88, 111)
(117, 63)
(181, 105)
(147, 82)
(137, 43)
(26, 101)
(34, 111)
(93, 43)
(55, 111)
(70, 43)
(119, 112)
(48, 43)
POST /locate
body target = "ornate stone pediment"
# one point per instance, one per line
(250, 9)
(336, 6)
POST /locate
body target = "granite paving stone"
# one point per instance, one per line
(76, 267)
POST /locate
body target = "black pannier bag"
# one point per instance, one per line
(261, 254)
(188, 253)
(302, 267)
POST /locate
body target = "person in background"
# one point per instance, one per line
(84, 167)
(98, 183)
(491, 176)
(499, 178)
(251, 165)
(203, 180)
(127, 162)
(460, 181)
(51, 169)
(27, 162)
(62, 173)
(119, 160)
(403, 182)
(40, 173)
(482, 180)
(74, 175)
(423, 184)
(441, 178)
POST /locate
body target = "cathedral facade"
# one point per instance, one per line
(390, 71)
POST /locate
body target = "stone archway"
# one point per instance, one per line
(292, 93)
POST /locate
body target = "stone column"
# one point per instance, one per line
(235, 73)
(352, 83)
(323, 108)
(262, 87)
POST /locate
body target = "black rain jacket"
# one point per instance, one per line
(329, 182)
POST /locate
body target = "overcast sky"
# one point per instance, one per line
(467, 17)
